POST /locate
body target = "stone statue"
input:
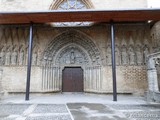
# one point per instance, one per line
(67, 59)
(14, 56)
(117, 56)
(131, 56)
(8, 57)
(34, 58)
(21, 57)
(145, 53)
(26, 59)
(109, 60)
(124, 55)
(139, 56)
(72, 57)
(2, 57)
(38, 57)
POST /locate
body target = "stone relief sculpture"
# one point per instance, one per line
(117, 55)
(34, 58)
(109, 59)
(124, 55)
(2, 56)
(38, 57)
(145, 53)
(131, 56)
(14, 56)
(21, 57)
(72, 55)
(139, 55)
(8, 57)
(26, 56)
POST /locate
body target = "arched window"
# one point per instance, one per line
(71, 5)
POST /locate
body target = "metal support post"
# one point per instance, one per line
(113, 61)
(29, 62)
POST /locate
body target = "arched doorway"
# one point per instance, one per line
(71, 49)
(72, 79)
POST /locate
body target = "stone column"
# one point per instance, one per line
(152, 76)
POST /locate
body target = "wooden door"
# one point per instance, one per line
(72, 79)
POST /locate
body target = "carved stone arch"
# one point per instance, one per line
(77, 38)
(67, 43)
(85, 59)
(55, 4)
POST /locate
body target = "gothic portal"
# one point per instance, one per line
(71, 49)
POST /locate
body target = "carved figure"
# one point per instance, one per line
(14, 57)
(145, 53)
(2, 57)
(21, 57)
(131, 56)
(139, 55)
(34, 58)
(124, 55)
(117, 55)
(109, 60)
(8, 57)
(72, 57)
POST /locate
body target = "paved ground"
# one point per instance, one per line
(14, 108)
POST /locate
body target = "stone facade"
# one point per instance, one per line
(88, 47)
(32, 5)
(55, 48)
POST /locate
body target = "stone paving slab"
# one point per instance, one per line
(139, 112)
(136, 107)
(52, 108)
(79, 111)
(6, 109)
(59, 117)
(34, 112)
(86, 111)
(143, 115)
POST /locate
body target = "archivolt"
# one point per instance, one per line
(72, 37)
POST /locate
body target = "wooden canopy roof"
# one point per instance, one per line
(79, 16)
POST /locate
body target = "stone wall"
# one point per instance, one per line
(88, 47)
(158, 75)
(33, 5)
(155, 37)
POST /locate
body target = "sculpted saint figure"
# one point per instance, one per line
(139, 55)
(131, 56)
(34, 58)
(14, 57)
(21, 57)
(109, 60)
(2, 57)
(124, 55)
(8, 57)
(145, 53)
(117, 55)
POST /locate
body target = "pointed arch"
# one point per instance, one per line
(72, 37)
(55, 4)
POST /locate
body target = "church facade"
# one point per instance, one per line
(76, 57)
